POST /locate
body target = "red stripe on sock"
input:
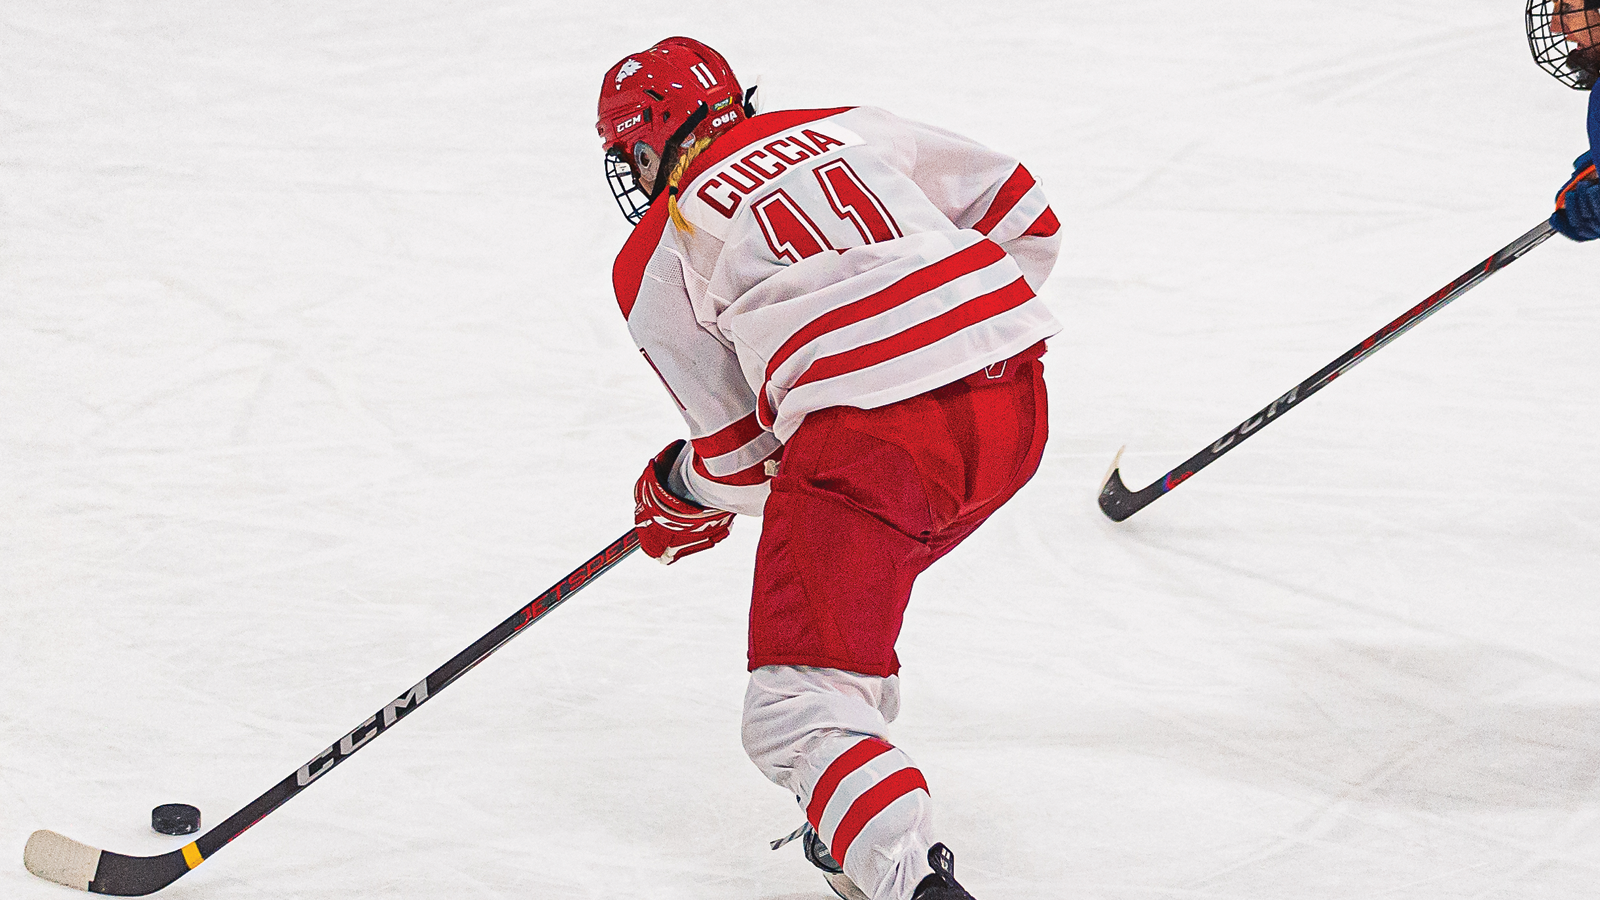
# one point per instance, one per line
(863, 752)
(875, 800)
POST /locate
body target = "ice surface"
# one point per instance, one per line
(310, 374)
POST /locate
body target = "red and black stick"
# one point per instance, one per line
(1117, 502)
(66, 861)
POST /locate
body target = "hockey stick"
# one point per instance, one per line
(64, 860)
(1118, 503)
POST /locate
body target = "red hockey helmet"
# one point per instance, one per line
(1564, 36)
(656, 103)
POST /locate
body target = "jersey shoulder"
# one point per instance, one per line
(627, 273)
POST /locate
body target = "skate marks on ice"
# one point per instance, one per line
(1400, 744)
(1377, 742)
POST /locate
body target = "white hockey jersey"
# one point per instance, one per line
(838, 257)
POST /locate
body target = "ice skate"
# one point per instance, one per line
(942, 884)
(818, 853)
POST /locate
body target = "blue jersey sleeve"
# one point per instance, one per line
(1594, 123)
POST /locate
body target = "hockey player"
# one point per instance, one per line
(1565, 38)
(842, 306)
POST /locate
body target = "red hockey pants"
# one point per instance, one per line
(866, 499)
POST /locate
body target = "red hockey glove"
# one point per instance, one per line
(669, 526)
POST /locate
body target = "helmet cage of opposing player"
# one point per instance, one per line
(655, 105)
(1564, 36)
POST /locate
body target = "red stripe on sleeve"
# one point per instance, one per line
(869, 804)
(1012, 191)
(1045, 225)
(764, 408)
(927, 278)
(920, 335)
(730, 438)
(865, 750)
(746, 476)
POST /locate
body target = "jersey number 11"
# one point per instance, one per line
(793, 235)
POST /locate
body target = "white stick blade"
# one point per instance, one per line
(1116, 462)
(61, 859)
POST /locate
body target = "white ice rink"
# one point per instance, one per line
(310, 374)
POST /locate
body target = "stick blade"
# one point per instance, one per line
(58, 858)
(61, 859)
(1115, 498)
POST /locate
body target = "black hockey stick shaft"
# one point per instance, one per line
(121, 875)
(1118, 502)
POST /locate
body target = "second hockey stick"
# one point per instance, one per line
(66, 861)
(1118, 502)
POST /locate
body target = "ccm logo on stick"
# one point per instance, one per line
(733, 181)
(362, 733)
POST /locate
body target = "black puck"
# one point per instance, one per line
(175, 818)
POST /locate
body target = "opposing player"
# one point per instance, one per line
(842, 305)
(1565, 38)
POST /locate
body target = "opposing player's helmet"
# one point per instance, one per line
(1564, 36)
(657, 103)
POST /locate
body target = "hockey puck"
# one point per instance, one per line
(175, 818)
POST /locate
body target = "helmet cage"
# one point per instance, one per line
(625, 189)
(1552, 47)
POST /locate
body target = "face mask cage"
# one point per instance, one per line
(625, 189)
(1553, 49)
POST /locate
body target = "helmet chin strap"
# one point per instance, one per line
(669, 153)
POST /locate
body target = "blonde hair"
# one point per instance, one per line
(685, 160)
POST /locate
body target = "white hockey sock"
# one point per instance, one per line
(822, 733)
(871, 808)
